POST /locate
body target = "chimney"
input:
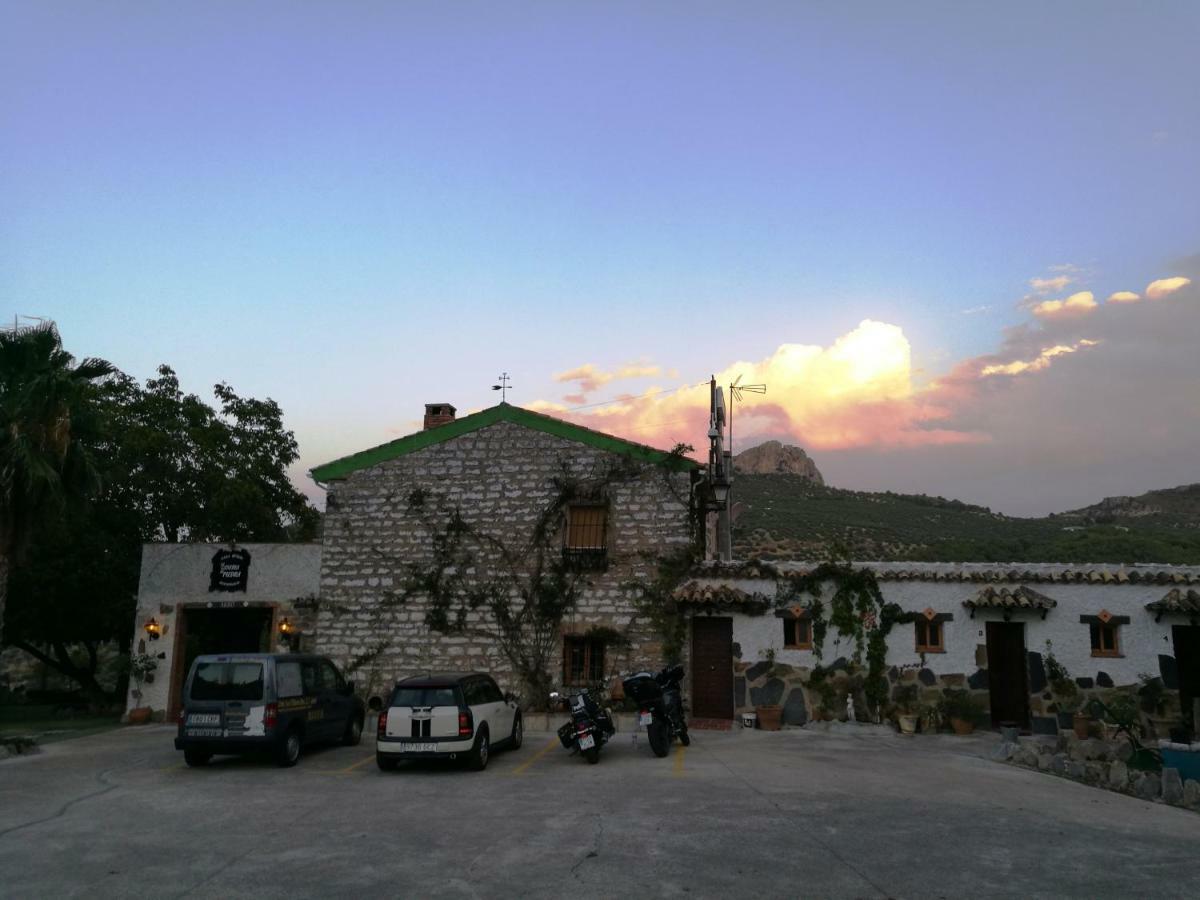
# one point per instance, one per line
(438, 414)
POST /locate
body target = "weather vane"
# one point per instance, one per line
(502, 387)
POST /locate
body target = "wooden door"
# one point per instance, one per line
(712, 668)
(1008, 678)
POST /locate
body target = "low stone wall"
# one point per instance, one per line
(1102, 764)
(766, 683)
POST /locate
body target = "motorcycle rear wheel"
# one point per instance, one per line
(592, 755)
(659, 736)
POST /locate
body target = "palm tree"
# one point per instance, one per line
(43, 464)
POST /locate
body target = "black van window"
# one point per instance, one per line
(330, 679)
(308, 676)
(228, 681)
(287, 679)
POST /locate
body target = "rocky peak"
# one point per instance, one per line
(774, 458)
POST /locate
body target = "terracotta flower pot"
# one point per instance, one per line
(962, 726)
(140, 715)
(1082, 722)
(769, 717)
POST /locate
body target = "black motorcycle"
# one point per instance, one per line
(660, 707)
(589, 729)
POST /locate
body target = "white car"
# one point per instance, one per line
(447, 716)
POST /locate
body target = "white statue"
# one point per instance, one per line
(849, 708)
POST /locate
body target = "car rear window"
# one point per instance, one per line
(424, 696)
(228, 681)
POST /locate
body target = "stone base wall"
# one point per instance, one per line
(1103, 764)
(763, 683)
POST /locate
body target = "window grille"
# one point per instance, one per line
(583, 660)
(584, 543)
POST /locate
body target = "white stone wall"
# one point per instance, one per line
(1141, 641)
(177, 575)
(502, 478)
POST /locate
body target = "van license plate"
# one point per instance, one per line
(420, 748)
(586, 742)
(204, 719)
(204, 732)
(645, 718)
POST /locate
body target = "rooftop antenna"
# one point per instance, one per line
(735, 393)
(503, 386)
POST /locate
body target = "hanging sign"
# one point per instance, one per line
(230, 569)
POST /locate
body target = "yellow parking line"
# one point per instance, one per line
(680, 750)
(550, 745)
(361, 762)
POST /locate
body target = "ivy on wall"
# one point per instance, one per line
(857, 612)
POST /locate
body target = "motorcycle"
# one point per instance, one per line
(660, 707)
(590, 727)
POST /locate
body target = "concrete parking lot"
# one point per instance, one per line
(792, 813)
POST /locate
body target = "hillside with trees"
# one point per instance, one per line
(791, 517)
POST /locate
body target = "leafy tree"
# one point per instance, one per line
(44, 459)
(170, 468)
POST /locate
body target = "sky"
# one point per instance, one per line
(959, 242)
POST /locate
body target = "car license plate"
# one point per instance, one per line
(204, 719)
(586, 742)
(420, 748)
(645, 718)
(204, 732)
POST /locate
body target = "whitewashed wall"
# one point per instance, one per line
(1141, 641)
(177, 574)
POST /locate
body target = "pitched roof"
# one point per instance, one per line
(502, 412)
(718, 596)
(1012, 573)
(1176, 601)
(1024, 598)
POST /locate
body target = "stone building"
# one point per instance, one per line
(995, 631)
(432, 540)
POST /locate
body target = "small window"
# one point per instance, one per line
(929, 636)
(1104, 639)
(797, 634)
(584, 545)
(583, 660)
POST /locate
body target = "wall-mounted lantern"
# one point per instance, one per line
(153, 629)
(286, 628)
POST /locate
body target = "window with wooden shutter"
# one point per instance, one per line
(585, 544)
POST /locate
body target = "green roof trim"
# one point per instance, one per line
(503, 412)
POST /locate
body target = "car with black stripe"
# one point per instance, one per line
(455, 715)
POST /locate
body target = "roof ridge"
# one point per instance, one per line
(501, 412)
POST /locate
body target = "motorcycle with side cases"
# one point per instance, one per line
(660, 707)
(590, 727)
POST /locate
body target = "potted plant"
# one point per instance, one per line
(905, 700)
(770, 716)
(961, 708)
(1066, 693)
(141, 670)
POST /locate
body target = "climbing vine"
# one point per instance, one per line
(655, 601)
(857, 611)
(515, 587)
